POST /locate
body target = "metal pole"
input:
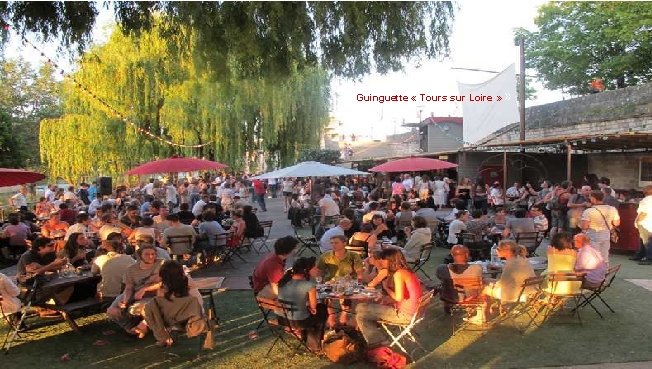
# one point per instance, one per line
(569, 160)
(521, 94)
(504, 176)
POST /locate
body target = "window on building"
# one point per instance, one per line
(645, 172)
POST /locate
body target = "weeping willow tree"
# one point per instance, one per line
(166, 88)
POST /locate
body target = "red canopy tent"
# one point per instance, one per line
(412, 164)
(175, 165)
(13, 177)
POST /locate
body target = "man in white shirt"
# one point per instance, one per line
(149, 188)
(408, 183)
(325, 241)
(644, 224)
(199, 205)
(20, 199)
(514, 192)
(50, 193)
(327, 207)
(82, 226)
(171, 196)
(496, 195)
(70, 195)
(589, 261)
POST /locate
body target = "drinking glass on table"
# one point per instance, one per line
(319, 279)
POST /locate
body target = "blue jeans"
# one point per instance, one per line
(260, 199)
(367, 316)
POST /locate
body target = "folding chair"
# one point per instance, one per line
(473, 300)
(528, 303)
(276, 324)
(359, 247)
(306, 243)
(233, 248)
(262, 241)
(596, 292)
(217, 253)
(291, 326)
(478, 248)
(558, 293)
(179, 245)
(424, 256)
(11, 324)
(531, 241)
(406, 329)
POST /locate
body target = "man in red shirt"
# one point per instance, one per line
(259, 193)
(270, 270)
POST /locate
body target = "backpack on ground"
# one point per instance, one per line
(344, 346)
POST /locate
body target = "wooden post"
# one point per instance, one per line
(569, 160)
(521, 94)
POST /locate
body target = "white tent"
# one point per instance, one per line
(311, 169)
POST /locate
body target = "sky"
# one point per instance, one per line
(482, 38)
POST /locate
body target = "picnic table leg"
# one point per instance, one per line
(70, 321)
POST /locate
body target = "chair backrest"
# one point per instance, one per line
(266, 225)
(180, 244)
(426, 250)
(424, 302)
(359, 247)
(464, 287)
(466, 238)
(610, 276)
(530, 240)
(530, 285)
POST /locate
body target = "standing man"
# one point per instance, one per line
(576, 206)
(259, 193)
(20, 199)
(644, 224)
(597, 223)
(171, 196)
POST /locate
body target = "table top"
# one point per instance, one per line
(354, 293)
(208, 283)
(59, 282)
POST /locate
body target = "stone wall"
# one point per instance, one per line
(617, 111)
(622, 168)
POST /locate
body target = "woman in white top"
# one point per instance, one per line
(288, 187)
(598, 221)
(423, 187)
(439, 189)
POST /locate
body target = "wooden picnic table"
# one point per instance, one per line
(48, 291)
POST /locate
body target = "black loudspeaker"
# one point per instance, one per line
(105, 185)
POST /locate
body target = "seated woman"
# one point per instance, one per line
(252, 225)
(297, 289)
(365, 237)
(17, 233)
(404, 290)
(515, 271)
(174, 303)
(460, 268)
(75, 250)
(374, 271)
(43, 208)
(561, 259)
(381, 230)
(10, 302)
(237, 229)
(54, 228)
(419, 235)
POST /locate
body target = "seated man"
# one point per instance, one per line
(325, 241)
(177, 229)
(39, 259)
(460, 268)
(270, 270)
(418, 236)
(519, 224)
(112, 266)
(589, 261)
(539, 219)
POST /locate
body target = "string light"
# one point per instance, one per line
(106, 105)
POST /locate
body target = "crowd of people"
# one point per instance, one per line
(126, 238)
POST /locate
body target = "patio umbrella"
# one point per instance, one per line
(311, 169)
(174, 165)
(13, 177)
(412, 164)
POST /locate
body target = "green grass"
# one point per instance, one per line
(620, 337)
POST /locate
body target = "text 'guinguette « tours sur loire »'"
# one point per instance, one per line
(430, 98)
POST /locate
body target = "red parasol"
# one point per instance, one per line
(175, 165)
(412, 164)
(13, 177)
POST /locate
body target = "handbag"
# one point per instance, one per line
(385, 358)
(344, 346)
(614, 233)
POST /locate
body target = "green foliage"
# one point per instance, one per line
(248, 39)
(10, 153)
(578, 41)
(164, 89)
(324, 156)
(27, 97)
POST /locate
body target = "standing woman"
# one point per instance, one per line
(287, 187)
(404, 290)
(424, 186)
(297, 289)
(439, 192)
(480, 196)
(463, 191)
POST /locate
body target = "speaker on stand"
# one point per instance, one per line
(105, 186)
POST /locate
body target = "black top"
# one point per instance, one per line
(186, 217)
